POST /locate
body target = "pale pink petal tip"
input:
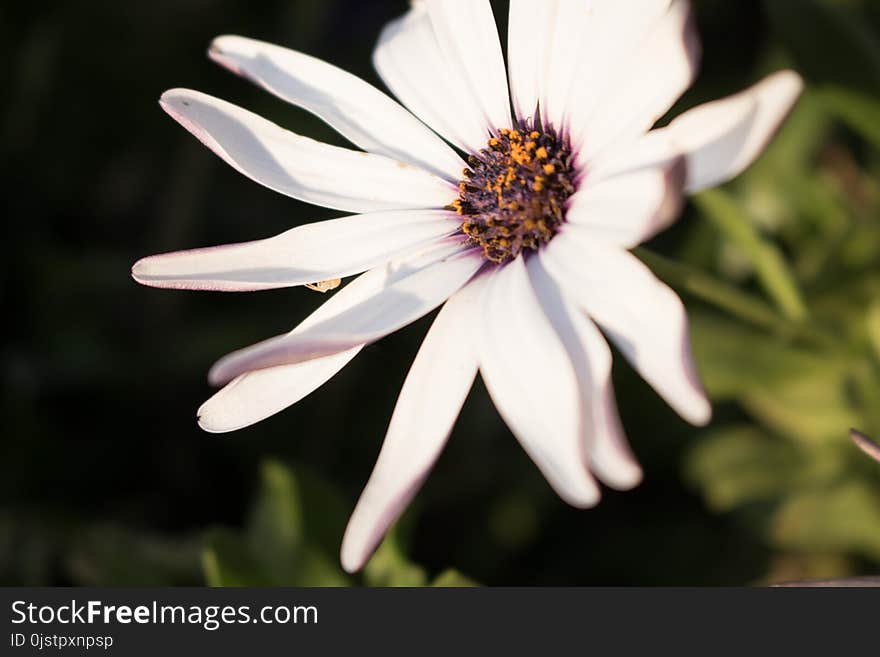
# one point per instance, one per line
(217, 51)
(701, 414)
(206, 421)
(352, 558)
(627, 477)
(140, 272)
(864, 443)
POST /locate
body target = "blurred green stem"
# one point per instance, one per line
(728, 298)
(771, 268)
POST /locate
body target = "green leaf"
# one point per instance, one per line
(296, 544)
(872, 321)
(228, 561)
(389, 566)
(738, 465)
(314, 567)
(324, 513)
(796, 392)
(453, 578)
(274, 531)
(843, 517)
(770, 266)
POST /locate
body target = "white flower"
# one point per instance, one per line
(527, 250)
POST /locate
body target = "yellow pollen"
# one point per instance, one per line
(519, 155)
(514, 191)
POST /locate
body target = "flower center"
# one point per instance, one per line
(513, 194)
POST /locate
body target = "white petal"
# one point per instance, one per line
(359, 111)
(629, 208)
(468, 38)
(307, 254)
(545, 43)
(409, 60)
(652, 150)
(657, 72)
(533, 384)
(529, 31)
(433, 393)
(304, 168)
(257, 395)
(610, 456)
(565, 47)
(405, 300)
(724, 137)
(644, 318)
(612, 34)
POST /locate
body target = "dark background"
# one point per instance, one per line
(105, 477)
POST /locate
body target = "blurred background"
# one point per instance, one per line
(105, 478)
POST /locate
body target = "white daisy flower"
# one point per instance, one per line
(523, 240)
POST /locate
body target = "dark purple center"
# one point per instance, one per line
(513, 193)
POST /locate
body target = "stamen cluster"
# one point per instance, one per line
(513, 194)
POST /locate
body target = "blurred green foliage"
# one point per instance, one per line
(801, 228)
(106, 480)
(287, 542)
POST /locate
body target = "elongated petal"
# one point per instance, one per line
(360, 112)
(433, 393)
(468, 39)
(644, 89)
(303, 168)
(610, 456)
(722, 138)
(565, 47)
(533, 384)
(650, 151)
(315, 252)
(612, 35)
(644, 318)
(254, 396)
(257, 395)
(394, 306)
(545, 45)
(529, 32)
(630, 208)
(409, 60)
